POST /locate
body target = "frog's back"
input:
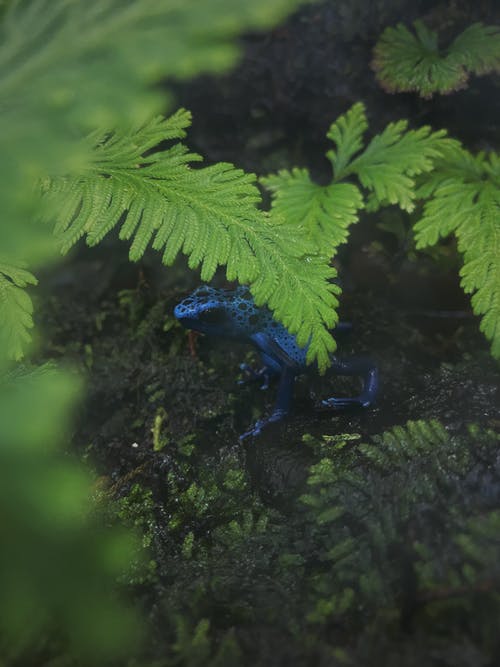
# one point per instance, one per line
(275, 337)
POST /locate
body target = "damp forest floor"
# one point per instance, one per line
(323, 541)
(361, 539)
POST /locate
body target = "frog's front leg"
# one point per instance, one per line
(283, 403)
(264, 375)
(355, 366)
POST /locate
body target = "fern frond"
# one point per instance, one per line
(386, 168)
(455, 162)
(393, 158)
(397, 446)
(16, 310)
(405, 62)
(382, 489)
(295, 281)
(324, 212)
(478, 49)
(467, 204)
(94, 63)
(210, 214)
(347, 135)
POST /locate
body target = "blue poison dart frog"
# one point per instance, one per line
(233, 314)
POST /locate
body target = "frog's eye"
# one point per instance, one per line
(213, 316)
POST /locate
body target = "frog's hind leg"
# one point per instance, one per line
(366, 369)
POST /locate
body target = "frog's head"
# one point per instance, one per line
(228, 313)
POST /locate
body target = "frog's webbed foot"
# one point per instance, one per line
(354, 366)
(262, 376)
(256, 429)
(344, 403)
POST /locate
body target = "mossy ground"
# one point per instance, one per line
(294, 548)
(314, 544)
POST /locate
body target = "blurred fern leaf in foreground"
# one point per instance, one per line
(67, 68)
(16, 309)
(58, 568)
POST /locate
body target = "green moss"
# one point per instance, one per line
(158, 430)
(388, 550)
(389, 535)
(136, 511)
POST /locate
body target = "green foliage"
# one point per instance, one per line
(369, 525)
(136, 512)
(461, 195)
(16, 310)
(90, 64)
(202, 492)
(385, 167)
(347, 135)
(475, 567)
(400, 529)
(406, 62)
(463, 198)
(67, 68)
(209, 213)
(57, 566)
(193, 647)
(50, 395)
(23, 244)
(389, 164)
(326, 212)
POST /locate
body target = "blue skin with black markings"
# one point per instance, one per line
(233, 314)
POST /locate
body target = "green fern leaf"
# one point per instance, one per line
(347, 135)
(16, 310)
(467, 204)
(478, 49)
(386, 168)
(400, 444)
(95, 63)
(210, 214)
(294, 281)
(405, 62)
(455, 162)
(324, 212)
(392, 159)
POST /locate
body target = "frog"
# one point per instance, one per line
(232, 314)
